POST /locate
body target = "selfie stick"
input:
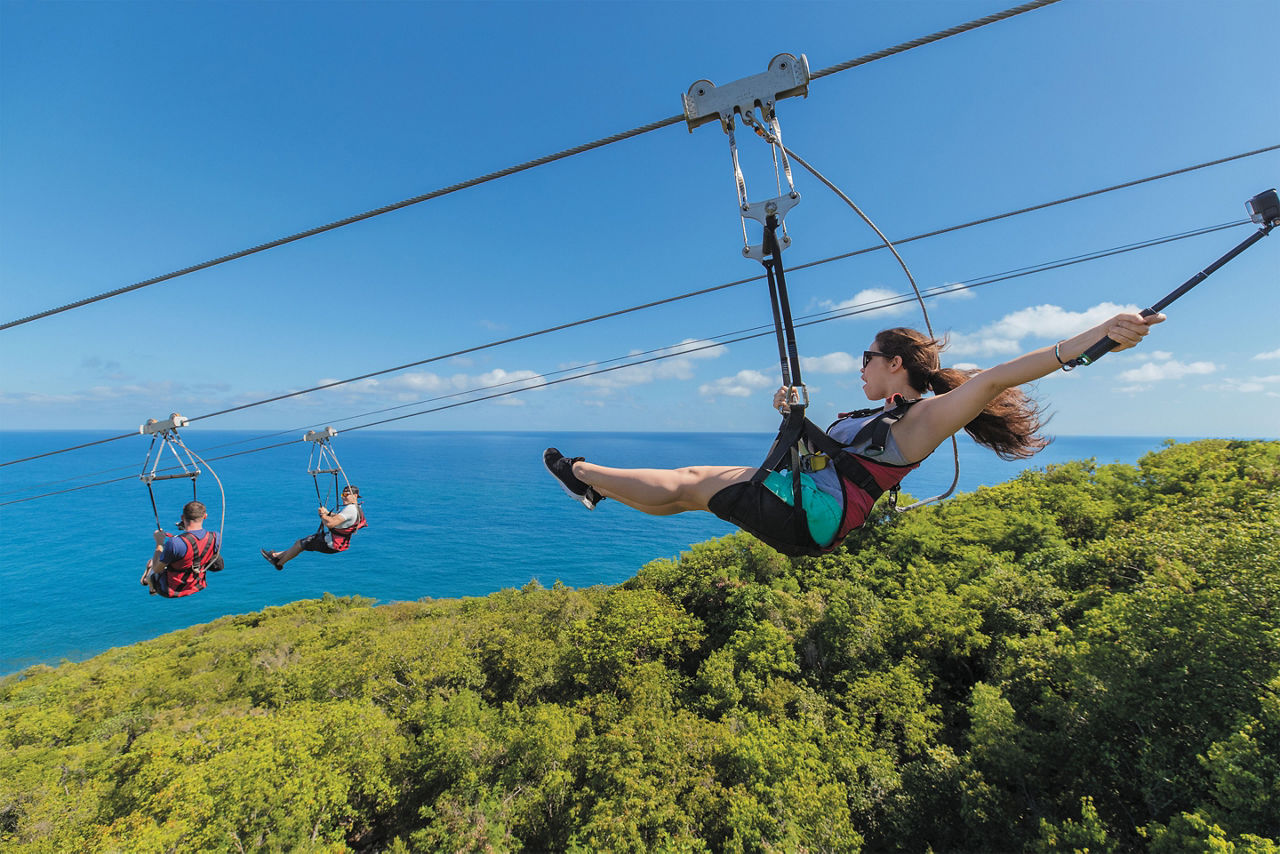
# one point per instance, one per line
(1263, 208)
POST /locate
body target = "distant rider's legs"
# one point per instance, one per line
(661, 492)
(288, 554)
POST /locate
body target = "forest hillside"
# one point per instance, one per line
(1085, 658)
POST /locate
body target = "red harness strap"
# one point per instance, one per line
(186, 575)
(342, 536)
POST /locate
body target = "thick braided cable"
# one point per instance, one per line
(311, 232)
(938, 36)
(511, 170)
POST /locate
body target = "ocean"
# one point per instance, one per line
(450, 514)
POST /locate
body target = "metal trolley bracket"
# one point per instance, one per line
(705, 102)
(787, 76)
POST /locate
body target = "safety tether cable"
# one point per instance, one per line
(700, 292)
(671, 351)
(511, 170)
(171, 441)
(955, 448)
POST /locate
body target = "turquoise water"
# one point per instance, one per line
(450, 514)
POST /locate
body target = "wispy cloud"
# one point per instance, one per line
(1274, 354)
(887, 302)
(678, 364)
(741, 384)
(832, 363)
(106, 369)
(1042, 322)
(877, 300)
(417, 384)
(1168, 369)
(1251, 385)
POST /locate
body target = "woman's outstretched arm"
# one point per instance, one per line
(935, 419)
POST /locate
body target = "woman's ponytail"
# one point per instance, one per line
(1009, 425)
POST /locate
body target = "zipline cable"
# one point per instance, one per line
(691, 294)
(511, 170)
(804, 320)
(941, 34)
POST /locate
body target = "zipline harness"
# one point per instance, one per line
(186, 574)
(800, 445)
(188, 462)
(324, 460)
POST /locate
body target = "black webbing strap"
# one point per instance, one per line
(784, 328)
(878, 428)
(847, 464)
(154, 510)
(785, 452)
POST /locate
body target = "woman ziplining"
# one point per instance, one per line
(836, 475)
(840, 484)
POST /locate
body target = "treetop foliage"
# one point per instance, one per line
(1086, 658)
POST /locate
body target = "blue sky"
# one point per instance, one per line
(140, 138)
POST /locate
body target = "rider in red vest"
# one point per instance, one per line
(178, 566)
(334, 534)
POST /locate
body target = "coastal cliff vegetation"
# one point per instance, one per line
(1084, 658)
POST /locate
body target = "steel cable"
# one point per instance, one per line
(510, 170)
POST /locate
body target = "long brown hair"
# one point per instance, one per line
(1009, 425)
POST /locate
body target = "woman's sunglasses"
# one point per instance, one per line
(867, 354)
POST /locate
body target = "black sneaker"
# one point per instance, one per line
(561, 468)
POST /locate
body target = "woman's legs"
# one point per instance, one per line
(661, 492)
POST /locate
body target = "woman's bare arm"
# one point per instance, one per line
(935, 419)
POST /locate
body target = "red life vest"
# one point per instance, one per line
(186, 574)
(341, 537)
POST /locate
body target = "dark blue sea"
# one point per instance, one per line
(450, 515)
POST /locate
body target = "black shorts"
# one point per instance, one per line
(765, 516)
(316, 543)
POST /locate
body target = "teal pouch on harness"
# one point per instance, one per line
(822, 510)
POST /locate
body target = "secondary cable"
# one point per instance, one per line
(680, 349)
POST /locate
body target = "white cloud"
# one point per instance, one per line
(891, 302)
(695, 348)
(832, 363)
(1004, 337)
(1248, 385)
(523, 378)
(951, 290)
(1166, 370)
(1274, 354)
(741, 384)
(678, 366)
(161, 390)
(417, 385)
(870, 300)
